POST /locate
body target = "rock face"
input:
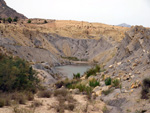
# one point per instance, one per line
(6, 11)
(37, 46)
(131, 66)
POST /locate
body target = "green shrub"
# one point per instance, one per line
(83, 88)
(9, 20)
(116, 83)
(76, 76)
(15, 19)
(70, 58)
(145, 88)
(93, 83)
(93, 71)
(29, 21)
(108, 81)
(16, 74)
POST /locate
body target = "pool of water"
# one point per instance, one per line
(69, 70)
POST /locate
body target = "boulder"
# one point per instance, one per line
(97, 88)
(75, 91)
(105, 88)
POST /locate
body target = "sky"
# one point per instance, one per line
(114, 12)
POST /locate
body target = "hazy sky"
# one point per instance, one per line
(133, 12)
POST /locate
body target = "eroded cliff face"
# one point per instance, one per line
(130, 65)
(6, 11)
(38, 43)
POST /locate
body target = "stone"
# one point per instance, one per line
(132, 76)
(119, 63)
(102, 83)
(126, 77)
(136, 84)
(105, 88)
(124, 91)
(92, 77)
(97, 88)
(134, 64)
(137, 72)
(111, 66)
(74, 91)
(98, 93)
(83, 77)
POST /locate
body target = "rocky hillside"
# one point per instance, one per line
(124, 52)
(6, 11)
(59, 42)
(130, 65)
(59, 39)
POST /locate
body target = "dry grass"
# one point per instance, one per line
(23, 110)
(36, 104)
(45, 94)
(66, 101)
(8, 99)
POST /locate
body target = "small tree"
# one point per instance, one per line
(45, 21)
(29, 21)
(15, 19)
(9, 20)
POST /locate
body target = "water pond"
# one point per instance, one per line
(69, 70)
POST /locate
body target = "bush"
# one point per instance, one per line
(36, 104)
(4, 20)
(108, 81)
(65, 102)
(76, 76)
(45, 94)
(93, 71)
(20, 98)
(70, 58)
(9, 20)
(61, 92)
(15, 19)
(16, 74)
(59, 84)
(45, 21)
(71, 107)
(29, 21)
(116, 83)
(30, 96)
(145, 88)
(93, 83)
(83, 88)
